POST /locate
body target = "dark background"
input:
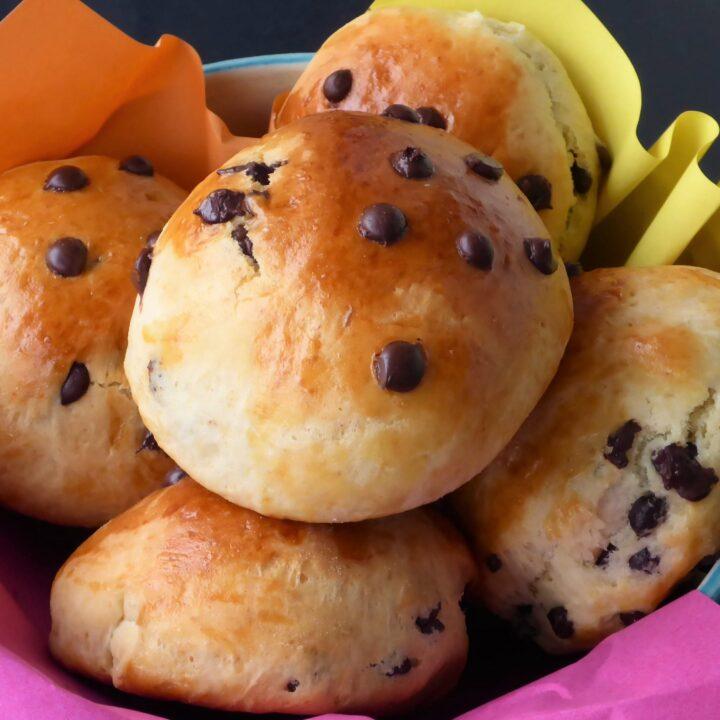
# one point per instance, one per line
(673, 43)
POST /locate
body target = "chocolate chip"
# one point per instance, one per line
(382, 223)
(66, 178)
(401, 112)
(680, 471)
(540, 253)
(538, 190)
(292, 685)
(573, 269)
(137, 165)
(430, 624)
(620, 442)
(484, 166)
(141, 269)
(400, 366)
(604, 157)
(240, 236)
(67, 257)
(432, 116)
(257, 171)
(75, 385)
(643, 561)
(152, 239)
(174, 476)
(337, 85)
(403, 669)
(646, 513)
(220, 206)
(582, 179)
(493, 563)
(604, 555)
(628, 618)
(475, 249)
(562, 625)
(149, 443)
(412, 163)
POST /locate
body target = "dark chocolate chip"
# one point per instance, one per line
(604, 555)
(432, 116)
(401, 112)
(573, 269)
(149, 443)
(412, 163)
(152, 239)
(628, 618)
(220, 206)
(582, 179)
(680, 471)
(174, 476)
(257, 171)
(540, 253)
(66, 178)
(240, 236)
(400, 366)
(337, 85)
(292, 685)
(475, 249)
(382, 223)
(560, 622)
(493, 563)
(137, 165)
(75, 385)
(430, 624)
(604, 157)
(67, 257)
(402, 669)
(141, 269)
(620, 442)
(484, 166)
(643, 561)
(647, 512)
(538, 190)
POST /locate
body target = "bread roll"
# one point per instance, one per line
(73, 449)
(188, 597)
(349, 320)
(492, 84)
(608, 496)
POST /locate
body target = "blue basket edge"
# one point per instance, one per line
(257, 61)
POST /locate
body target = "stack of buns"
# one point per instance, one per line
(357, 315)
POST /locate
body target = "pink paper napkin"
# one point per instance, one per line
(666, 667)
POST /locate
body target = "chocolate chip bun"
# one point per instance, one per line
(349, 320)
(188, 597)
(492, 84)
(608, 496)
(73, 449)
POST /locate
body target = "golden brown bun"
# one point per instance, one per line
(578, 521)
(497, 87)
(256, 372)
(187, 597)
(78, 463)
